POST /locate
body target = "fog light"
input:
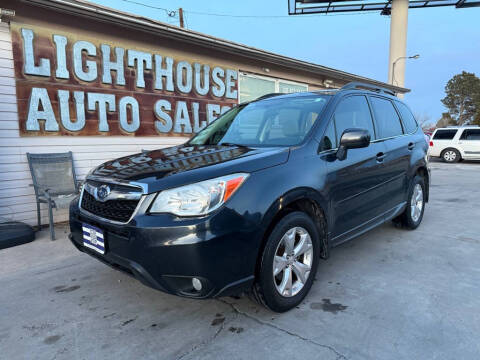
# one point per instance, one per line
(197, 284)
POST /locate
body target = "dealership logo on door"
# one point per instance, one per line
(68, 85)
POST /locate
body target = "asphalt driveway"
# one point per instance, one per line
(390, 294)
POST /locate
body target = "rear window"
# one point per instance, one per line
(407, 117)
(386, 117)
(445, 134)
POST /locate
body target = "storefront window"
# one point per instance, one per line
(289, 88)
(254, 86)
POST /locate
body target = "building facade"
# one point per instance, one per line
(75, 76)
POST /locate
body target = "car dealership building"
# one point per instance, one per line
(79, 77)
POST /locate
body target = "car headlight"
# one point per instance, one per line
(199, 198)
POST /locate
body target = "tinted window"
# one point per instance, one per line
(329, 142)
(387, 120)
(445, 134)
(407, 117)
(470, 134)
(353, 112)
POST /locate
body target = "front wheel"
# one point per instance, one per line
(413, 214)
(289, 263)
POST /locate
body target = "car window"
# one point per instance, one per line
(285, 118)
(329, 140)
(444, 134)
(407, 117)
(386, 118)
(353, 112)
(470, 134)
(270, 122)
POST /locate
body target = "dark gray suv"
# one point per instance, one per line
(258, 197)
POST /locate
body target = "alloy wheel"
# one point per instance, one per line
(293, 261)
(416, 202)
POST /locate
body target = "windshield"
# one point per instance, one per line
(272, 122)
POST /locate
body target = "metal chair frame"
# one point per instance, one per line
(46, 195)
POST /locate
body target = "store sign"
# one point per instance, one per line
(69, 86)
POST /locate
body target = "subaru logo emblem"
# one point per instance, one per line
(102, 192)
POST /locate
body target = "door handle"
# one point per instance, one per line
(411, 146)
(380, 157)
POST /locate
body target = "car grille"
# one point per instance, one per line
(117, 210)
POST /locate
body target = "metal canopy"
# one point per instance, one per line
(299, 7)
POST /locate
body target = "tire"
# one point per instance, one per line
(267, 288)
(451, 155)
(410, 218)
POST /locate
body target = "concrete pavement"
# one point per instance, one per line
(390, 294)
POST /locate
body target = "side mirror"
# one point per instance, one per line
(352, 139)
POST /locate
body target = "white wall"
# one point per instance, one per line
(17, 199)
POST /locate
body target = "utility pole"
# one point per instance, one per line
(180, 15)
(398, 42)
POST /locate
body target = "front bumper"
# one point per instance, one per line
(165, 253)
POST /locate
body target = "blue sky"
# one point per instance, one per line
(447, 39)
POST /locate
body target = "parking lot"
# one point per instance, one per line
(390, 294)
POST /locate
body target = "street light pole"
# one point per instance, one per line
(394, 79)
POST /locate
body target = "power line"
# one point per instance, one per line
(172, 13)
(149, 6)
(241, 16)
(186, 22)
(277, 16)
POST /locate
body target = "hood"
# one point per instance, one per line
(179, 165)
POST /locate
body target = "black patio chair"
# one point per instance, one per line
(54, 182)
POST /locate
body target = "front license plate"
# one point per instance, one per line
(93, 238)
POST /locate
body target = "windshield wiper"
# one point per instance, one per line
(231, 144)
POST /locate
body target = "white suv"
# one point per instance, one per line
(453, 144)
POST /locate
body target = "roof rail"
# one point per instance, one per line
(266, 96)
(461, 126)
(359, 85)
